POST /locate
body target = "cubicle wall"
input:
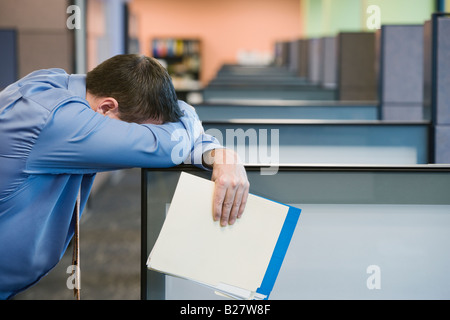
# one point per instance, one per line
(437, 84)
(255, 71)
(365, 232)
(262, 82)
(400, 72)
(315, 66)
(340, 68)
(328, 78)
(356, 75)
(287, 109)
(8, 57)
(43, 39)
(323, 141)
(268, 91)
(346, 63)
(255, 75)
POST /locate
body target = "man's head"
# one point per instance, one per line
(133, 88)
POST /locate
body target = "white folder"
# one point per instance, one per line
(240, 261)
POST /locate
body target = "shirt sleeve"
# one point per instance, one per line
(77, 139)
(203, 143)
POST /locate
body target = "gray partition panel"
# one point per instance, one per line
(287, 109)
(328, 77)
(442, 85)
(401, 72)
(321, 141)
(427, 70)
(53, 49)
(256, 81)
(298, 63)
(314, 60)
(303, 56)
(442, 140)
(437, 82)
(365, 232)
(241, 70)
(294, 54)
(268, 91)
(8, 57)
(442, 79)
(282, 53)
(356, 66)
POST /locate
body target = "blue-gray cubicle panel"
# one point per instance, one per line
(365, 232)
(329, 142)
(437, 81)
(8, 57)
(257, 80)
(287, 109)
(401, 77)
(270, 91)
(234, 70)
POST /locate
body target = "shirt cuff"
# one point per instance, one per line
(196, 156)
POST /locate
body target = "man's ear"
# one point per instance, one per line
(108, 107)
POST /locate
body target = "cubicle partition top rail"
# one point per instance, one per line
(305, 184)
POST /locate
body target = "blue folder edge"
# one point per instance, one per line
(279, 251)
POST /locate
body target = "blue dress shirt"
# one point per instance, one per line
(51, 146)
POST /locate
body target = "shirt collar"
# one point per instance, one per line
(77, 84)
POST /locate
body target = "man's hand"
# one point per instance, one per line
(231, 185)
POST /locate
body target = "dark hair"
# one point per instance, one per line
(141, 86)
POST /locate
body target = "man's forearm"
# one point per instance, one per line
(220, 156)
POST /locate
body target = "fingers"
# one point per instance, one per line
(243, 201)
(220, 192)
(230, 199)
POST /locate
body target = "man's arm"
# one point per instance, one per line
(78, 140)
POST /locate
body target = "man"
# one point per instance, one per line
(58, 130)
